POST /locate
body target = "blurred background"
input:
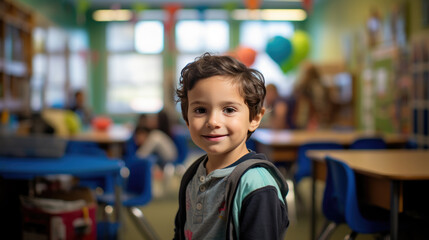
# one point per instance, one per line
(111, 62)
(126, 56)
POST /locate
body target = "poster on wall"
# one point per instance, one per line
(385, 92)
(384, 107)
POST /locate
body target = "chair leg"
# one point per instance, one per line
(142, 224)
(328, 228)
(351, 236)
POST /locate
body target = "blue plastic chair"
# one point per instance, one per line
(304, 163)
(251, 144)
(137, 192)
(411, 144)
(87, 148)
(340, 203)
(369, 143)
(303, 166)
(92, 149)
(181, 142)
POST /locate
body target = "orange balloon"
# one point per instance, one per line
(245, 55)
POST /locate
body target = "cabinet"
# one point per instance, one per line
(16, 24)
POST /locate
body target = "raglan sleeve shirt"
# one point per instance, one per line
(259, 210)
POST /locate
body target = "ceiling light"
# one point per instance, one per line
(112, 15)
(270, 14)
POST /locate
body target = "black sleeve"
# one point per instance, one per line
(263, 215)
(176, 227)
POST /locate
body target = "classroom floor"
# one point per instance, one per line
(161, 211)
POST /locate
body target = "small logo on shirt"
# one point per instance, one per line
(188, 234)
(221, 210)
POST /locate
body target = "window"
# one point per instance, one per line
(135, 67)
(56, 61)
(135, 83)
(194, 36)
(78, 71)
(56, 71)
(149, 44)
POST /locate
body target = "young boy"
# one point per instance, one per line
(222, 104)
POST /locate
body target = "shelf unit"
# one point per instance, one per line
(16, 25)
(420, 101)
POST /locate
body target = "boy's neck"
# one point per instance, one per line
(219, 161)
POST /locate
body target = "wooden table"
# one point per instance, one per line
(282, 145)
(385, 173)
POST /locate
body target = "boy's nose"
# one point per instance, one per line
(213, 121)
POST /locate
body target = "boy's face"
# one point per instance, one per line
(218, 118)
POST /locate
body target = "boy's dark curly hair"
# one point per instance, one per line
(251, 83)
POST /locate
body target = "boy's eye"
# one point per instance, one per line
(200, 110)
(229, 110)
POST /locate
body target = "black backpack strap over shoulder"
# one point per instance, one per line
(234, 179)
(187, 177)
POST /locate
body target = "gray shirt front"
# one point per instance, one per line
(205, 204)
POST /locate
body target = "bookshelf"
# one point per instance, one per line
(16, 24)
(420, 78)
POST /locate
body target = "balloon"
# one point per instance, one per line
(245, 55)
(301, 45)
(288, 65)
(300, 48)
(279, 49)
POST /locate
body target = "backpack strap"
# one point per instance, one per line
(187, 177)
(234, 179)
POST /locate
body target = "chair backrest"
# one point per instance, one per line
(304, 163)
(181, 143)
(139, 183)
(340, 200)
(411, 144)
(130, 148)
(251, 144)
(82, 147)
(368, 143)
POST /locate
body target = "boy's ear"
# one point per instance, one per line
(254, 123)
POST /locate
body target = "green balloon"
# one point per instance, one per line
(301, 45)
(288, 65)
(300, 49)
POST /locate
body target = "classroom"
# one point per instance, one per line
(97, 135)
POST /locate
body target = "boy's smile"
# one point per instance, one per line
(218, 120)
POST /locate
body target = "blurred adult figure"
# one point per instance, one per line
(313, 104)
(153, 135)
(279, 109)
(80, 108)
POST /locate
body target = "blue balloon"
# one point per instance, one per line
(279, 49)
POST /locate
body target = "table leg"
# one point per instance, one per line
(313, 205)
(394, 210)
(118, 205)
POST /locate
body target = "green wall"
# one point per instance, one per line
(331, 20)
(97, 65)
